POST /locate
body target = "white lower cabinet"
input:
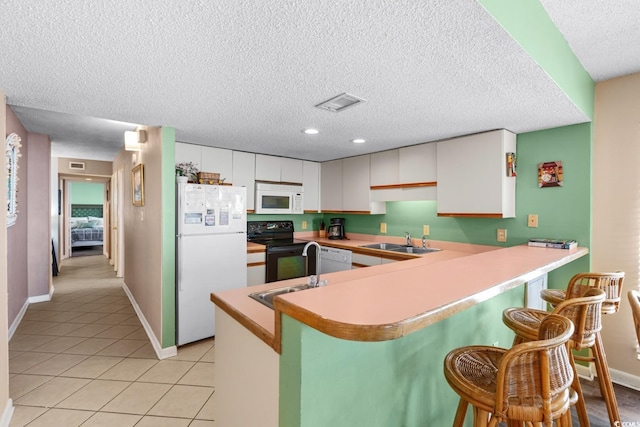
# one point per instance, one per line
(256, 268)
(361, 260)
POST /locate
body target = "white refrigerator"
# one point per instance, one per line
(211, 246)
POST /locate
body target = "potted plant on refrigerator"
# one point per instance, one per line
(186, 172)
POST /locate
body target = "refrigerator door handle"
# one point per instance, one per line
(180, 243)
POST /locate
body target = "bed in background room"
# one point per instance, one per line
(86, 225)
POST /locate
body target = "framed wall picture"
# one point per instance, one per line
(137, 185)
(550, 174)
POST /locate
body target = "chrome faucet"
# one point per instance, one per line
(424, 242)
(408, 237)
(314, 280)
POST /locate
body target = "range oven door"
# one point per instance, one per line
(287, 262)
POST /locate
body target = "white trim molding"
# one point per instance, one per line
(162, 353)
(7, 414)
(18, 319)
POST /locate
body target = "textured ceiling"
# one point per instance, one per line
(246, 75)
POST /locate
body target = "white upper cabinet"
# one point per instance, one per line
(189, 153)
(218, 160)
(244, 166)
(417, 164)
(278, 169)
(311, 185)
(356, 183)
(268, 168)
(385, 168)
(331, 185)
(472, 176)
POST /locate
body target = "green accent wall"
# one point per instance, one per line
(86, 193)
(528, 24)
(168, 135)
(381, 384)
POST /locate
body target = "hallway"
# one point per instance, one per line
(84, 359)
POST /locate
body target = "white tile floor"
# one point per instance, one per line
(84, 359)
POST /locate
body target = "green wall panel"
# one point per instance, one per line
(327, 381)
(87, 193)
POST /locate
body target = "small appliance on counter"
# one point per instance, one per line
(335, 230)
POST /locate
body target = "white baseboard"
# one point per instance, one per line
(41, 298)
(18, 319)
(162, 353)
(7, 414)
(617, 377)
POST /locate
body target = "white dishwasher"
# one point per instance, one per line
(332, 259)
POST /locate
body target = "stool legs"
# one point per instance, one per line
(606, 385)
(581, 407)
(460, 413)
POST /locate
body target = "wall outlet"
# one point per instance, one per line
(425, 230)
(304, 225)
(383, 227)
(502, 235)
(532, 220)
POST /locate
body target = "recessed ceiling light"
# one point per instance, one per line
(311, 131)
(358, 141)
(88, 179)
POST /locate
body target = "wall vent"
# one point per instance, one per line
(340, 102)
(76, 166)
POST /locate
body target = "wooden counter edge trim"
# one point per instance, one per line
(256, 250)
(390, 331)
(410, 185)
(256, 264)
(252, 326)
(471, 215)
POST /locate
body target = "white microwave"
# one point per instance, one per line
(273, 198)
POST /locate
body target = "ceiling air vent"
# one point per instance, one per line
(77, 166)
(340, 102)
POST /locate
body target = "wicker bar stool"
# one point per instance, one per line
(610, 283)
(586, 313)
(529, 383)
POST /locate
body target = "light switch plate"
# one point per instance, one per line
(383, 227)
(304, 225)
(425, 230)
(532, 220)
(502, 235)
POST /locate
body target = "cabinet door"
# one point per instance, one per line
(331, 185)
(417, 163)
(355, 183)
(311, 184)
(244, 174)
(268, 168)
(291, 170)
(384, 168)
(189, 153)
(218, 160)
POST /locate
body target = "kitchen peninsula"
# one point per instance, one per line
(367, 350)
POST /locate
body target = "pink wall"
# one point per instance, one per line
(17, 275)
(38, 216)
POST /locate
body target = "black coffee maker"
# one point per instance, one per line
(336, 229)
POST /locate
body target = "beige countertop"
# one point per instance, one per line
(392, 300)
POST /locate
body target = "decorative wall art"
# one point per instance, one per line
(550, 174)
(137, 185)
(12, 147)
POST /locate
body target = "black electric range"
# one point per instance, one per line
(284, 258)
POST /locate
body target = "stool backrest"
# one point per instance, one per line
(534, 377)
(586, 314)
(610, 283)
(634, 301)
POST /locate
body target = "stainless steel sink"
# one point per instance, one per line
(383, 246)
(414, 250)
(394, 247)
(266, 297)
